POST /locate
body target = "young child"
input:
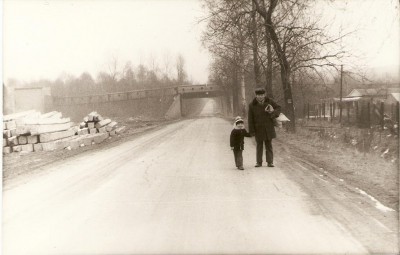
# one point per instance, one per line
(237, 141)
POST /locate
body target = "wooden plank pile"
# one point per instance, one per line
(32, 131)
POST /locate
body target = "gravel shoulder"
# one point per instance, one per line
(21, 165)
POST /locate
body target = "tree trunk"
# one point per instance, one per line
(242, 99)
(287, 93)
(235, 95)
(283, 62)
(268, 75)
(235, 89)
(257, 73)
(242, 86)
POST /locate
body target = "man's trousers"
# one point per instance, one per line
(269, 155)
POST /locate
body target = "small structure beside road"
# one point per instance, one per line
(363, 107)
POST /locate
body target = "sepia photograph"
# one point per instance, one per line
(200, 127)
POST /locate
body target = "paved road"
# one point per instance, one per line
(176, 190)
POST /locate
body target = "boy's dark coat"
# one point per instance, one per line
(261, 122)
(237, 138)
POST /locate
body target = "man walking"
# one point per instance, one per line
(262, 111)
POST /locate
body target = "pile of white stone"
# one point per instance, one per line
(32, 131)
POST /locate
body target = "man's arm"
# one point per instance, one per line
(277, 109)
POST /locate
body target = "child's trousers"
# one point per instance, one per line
(238, 157)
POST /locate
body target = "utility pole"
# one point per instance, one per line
(341, 88)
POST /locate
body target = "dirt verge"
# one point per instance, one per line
(366, 171)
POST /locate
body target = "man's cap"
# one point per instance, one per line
(259, 91)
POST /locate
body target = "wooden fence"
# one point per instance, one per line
(363, 113)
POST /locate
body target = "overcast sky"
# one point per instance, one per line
(45, 38)
(376, 25)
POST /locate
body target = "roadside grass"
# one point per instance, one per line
(336, 151)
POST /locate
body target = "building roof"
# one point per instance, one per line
(362, 92)
(388, 91)
(396, 96)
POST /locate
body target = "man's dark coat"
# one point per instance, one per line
(261, 122)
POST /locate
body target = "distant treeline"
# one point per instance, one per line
(127, 79)
(141, 78)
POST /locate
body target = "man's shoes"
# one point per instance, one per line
(258, 165)
(240, 168)
(270, 165)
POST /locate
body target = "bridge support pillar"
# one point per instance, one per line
(175, 110)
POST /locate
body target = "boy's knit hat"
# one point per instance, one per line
(237, 118)
(239, 121)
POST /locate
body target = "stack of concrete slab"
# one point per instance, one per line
(94, 123)
(23, 131)
(32, 131)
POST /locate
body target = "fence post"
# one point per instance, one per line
(397, 113)
(308, 111)
(357, 115)
(313, 110)
(392, 111)
(348, 112)
(382, 110)
(369, 115)
(334, 111)
(320, 111)
(323, 110)
(316, 111)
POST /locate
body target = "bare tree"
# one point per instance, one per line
(166, 68)
(86, 83)
(113, 69)
(153, 65)
(298, 42)
(226, 37)
(128, 76)
(256, 61)
(180, 69)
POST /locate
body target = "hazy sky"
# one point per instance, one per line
(376, 25)
(44, 38)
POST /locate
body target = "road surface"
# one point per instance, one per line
(176, 190)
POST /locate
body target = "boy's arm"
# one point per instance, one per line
(247, 134)
(231, 139)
